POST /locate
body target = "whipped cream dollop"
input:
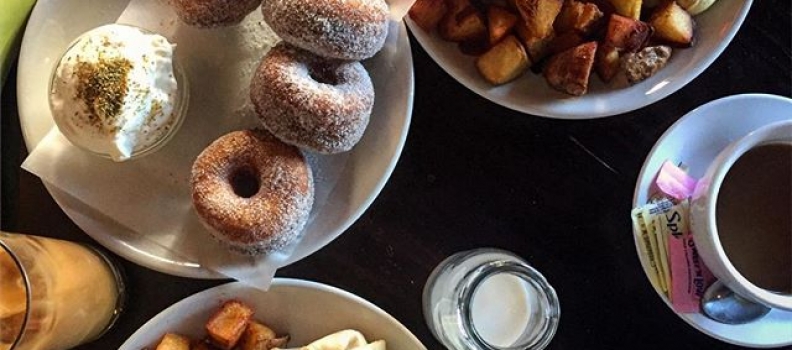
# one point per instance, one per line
(348, 339)
(114, 91)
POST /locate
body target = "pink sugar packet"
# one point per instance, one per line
(674, 181)
(689, 276)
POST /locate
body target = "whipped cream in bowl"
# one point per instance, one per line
(117, 92)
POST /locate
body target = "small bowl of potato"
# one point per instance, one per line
(575, 59)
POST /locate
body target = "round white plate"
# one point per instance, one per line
(305, 310)
(695, 140)
(530, 94)
(53, 24)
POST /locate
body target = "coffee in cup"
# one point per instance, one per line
(754, 218)
(741, 216)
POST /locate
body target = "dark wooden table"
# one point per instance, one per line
(474, 174)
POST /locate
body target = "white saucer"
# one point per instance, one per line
(695, 140)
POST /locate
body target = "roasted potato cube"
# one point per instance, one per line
(201, 345)
(564, 42)
(538, 48)
(607, 62)
(569, 71)
(453, 8)
(628, 8)
(456, 6)
(173, 341)
(257, 337)
(226, 326)
(539, 16)
(279, 342)
(577, 16)
(627, 34)
(465, 25)
(505, 4)
(673, 24)
(623, 35)
(503, 62)
(428, 13)
(501, 21)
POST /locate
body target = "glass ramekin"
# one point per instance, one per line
(450, 291)
(179, 112)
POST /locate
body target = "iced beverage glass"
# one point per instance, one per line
(55, 294)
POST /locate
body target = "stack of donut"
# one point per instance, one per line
(253, 189)
(310, 90)
(213, 13)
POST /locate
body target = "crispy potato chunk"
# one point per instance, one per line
(428, 13)
(465, 25)
(607, 62)
(501, 21)
(624, 35)
(173, 341)
(201, 345)
(627, 34)
(569, 71)
(279, 342)
(564, 42)
(260, 337)
(537, 48)
(503, 62)
(539, 16)
(456, 6)
(628, 8)
(578, 16)
(226, 326)
(673, 24)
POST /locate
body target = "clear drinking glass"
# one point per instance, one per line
(55, 294)
(490, 299)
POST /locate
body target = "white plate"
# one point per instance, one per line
(305, 310)
(530, 94)
(695, 140)
(53, 24)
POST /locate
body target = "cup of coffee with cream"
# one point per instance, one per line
(741, 216)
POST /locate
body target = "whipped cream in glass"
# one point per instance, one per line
(116, 92)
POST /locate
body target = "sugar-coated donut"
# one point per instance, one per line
(314, 103)
(252, 191)
(342, 29)
(213, 13)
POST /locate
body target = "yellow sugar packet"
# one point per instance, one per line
(644, 241)
(647, 221)
(661, 232)
(651, 217)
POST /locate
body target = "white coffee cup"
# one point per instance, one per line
(703, 215)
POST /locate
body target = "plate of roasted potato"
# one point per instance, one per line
(575, 59)
(292, 314)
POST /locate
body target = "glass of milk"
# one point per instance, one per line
(490, 299)
(55, 294)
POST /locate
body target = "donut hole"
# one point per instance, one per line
(245, 182)
(323, 73)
